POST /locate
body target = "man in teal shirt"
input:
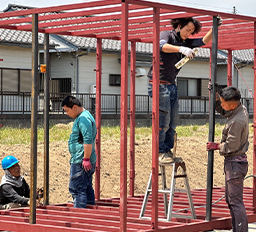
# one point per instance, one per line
(81, 146)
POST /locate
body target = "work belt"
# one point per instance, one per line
(162, 82)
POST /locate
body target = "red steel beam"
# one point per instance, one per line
(98, 116)
(132, 116)
(254, 123)
(67, 17)
(190, 10)
(123, 119)
(59, 8)
(155, 118)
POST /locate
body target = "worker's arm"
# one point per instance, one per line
(188, 52)
(13, 196)
(207, 38)
(169, 48)
(87, 150)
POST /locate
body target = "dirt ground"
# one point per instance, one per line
(191, 149)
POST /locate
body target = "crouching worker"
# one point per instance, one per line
(14, 190)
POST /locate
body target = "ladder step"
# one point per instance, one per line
(167, 191)
(180, 176)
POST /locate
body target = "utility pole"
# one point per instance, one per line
(234, 10)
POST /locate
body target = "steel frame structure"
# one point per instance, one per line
(130, 21)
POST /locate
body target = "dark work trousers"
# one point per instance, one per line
(234, 181)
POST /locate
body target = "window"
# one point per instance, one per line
(15, 80)
(189, 87)
(25, 81)
(60, 85)
(115, 79)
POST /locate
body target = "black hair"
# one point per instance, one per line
(70, 101)
(184, 21)
(230, 93)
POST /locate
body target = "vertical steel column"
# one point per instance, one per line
(210, 77)
(155, 117)
(123, 118)
(212, 119)
(229, 78)
(46, 119)
(98, 115)
(132, 117)
(254, 123)
(34, 107)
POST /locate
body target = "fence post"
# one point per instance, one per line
(204, 105)
(191, 105)
(116, 102)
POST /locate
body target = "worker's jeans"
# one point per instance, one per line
(168, 115)
(234, 179)
(80, 185)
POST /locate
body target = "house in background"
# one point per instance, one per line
(72, 66)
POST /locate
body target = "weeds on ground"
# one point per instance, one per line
(11, 135)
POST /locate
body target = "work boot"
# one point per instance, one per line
(165, 158)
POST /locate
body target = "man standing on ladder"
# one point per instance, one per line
(173, 45)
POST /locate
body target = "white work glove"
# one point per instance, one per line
(188, 52)
(219, 20)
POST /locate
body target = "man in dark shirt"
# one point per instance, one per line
(173, 45)
(233, 146)
(14, 190)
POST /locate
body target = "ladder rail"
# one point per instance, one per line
(145, 200)
(168, 205)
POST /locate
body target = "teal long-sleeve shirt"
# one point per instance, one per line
(83, 132)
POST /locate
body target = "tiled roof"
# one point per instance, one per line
(115, 45)
(244, 55)
(20, 37)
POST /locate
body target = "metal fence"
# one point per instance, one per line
(20, 103)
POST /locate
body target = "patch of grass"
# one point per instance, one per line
(61, 132)
(194, 128)
(9, 135)
(137, 137)
(110, 132)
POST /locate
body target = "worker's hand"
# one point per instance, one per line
(188, 52)
(38, 203)
(219, 20)
(86, 164)
(212, 146)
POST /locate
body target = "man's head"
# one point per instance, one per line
(11, 163)
(186, 26)
(230, 98)
(72, 106)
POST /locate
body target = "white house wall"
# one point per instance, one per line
(15, 57)
(245, 78)
(195, 69)
(63, 65)
(239, 79)
(110, 65)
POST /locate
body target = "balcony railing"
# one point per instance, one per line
(20, 103)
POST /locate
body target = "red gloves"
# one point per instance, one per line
(86, 164)
(212, 146)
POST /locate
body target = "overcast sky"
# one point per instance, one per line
(244, 7)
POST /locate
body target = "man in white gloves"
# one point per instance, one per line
(174, 45)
